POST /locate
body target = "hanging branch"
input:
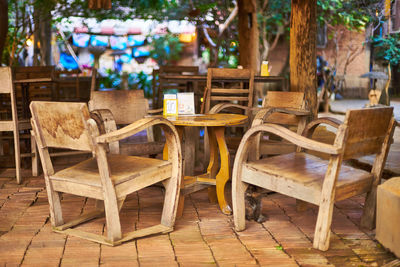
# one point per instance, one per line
(228, 21)
(208, 37)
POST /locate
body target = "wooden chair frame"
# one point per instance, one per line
(15, 125)
(364, 132)
(228, 94)
(68, 125)
(115, 108)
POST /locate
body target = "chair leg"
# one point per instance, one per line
(17, 154)
(114, 231)
(323, 227)
(35, 158)
(368, 218)
(170, 201)
(238, 203)
(181, 205)
(56, 217)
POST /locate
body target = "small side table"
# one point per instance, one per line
(388, 215)
(218, 177)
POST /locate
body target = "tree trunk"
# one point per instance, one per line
(3, 26)
(45, 39)
(42, 38)
(248, 35)
(303, 69)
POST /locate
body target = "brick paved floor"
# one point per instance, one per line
(202, 237)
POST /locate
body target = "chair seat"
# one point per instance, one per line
(127, 172)
(301, 176)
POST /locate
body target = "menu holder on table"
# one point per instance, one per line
(178, 104)
(170, 107)
(186, 103)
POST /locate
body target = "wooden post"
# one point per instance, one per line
(99, 4)
(248, 35)
(303, 67)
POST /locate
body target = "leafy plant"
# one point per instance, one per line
(166, 49)
(114, 79)
(388, 49)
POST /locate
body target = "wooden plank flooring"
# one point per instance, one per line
(202, 237)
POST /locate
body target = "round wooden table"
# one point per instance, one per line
(215, 124)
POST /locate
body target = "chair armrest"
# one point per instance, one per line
(106, 123)
(221, 106)
(311, 126)
(134, 128)
(292, 137)
(104, 119)
(265, 112)
(154, 111)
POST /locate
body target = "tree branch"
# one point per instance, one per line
(228, 21)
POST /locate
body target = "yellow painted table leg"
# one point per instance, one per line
(213, 163)
(224, 171)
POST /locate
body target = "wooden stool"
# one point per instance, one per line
(388, 215)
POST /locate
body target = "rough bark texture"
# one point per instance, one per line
(248, 35)
(42, 38)
(396, 25)
(45, 39)
(303, 67)
(3, 25)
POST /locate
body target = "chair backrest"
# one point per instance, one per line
(6, 83)
(21, 73)
(38, 90)
(366, 131)
(276, 99)
(61, 125)
(126, 106)
(67, 82)
(8, 103)
(225, 93)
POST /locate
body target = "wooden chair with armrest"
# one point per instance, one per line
(9, 122)
(106, 177)
(224, 93)
(312, 179)
(282, 108)
(122, 107)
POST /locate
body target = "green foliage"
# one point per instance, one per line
(388, 49)
(352, 14)
(166, 49)
(114, 80)
(143, 82)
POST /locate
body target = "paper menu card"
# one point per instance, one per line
(170, 107)
(185, 103)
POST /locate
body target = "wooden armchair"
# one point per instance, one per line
(121, 107)
(282, 108)
(314, 180)
(105, 177)
(224, 93)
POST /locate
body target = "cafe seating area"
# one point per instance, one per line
(121, 177)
